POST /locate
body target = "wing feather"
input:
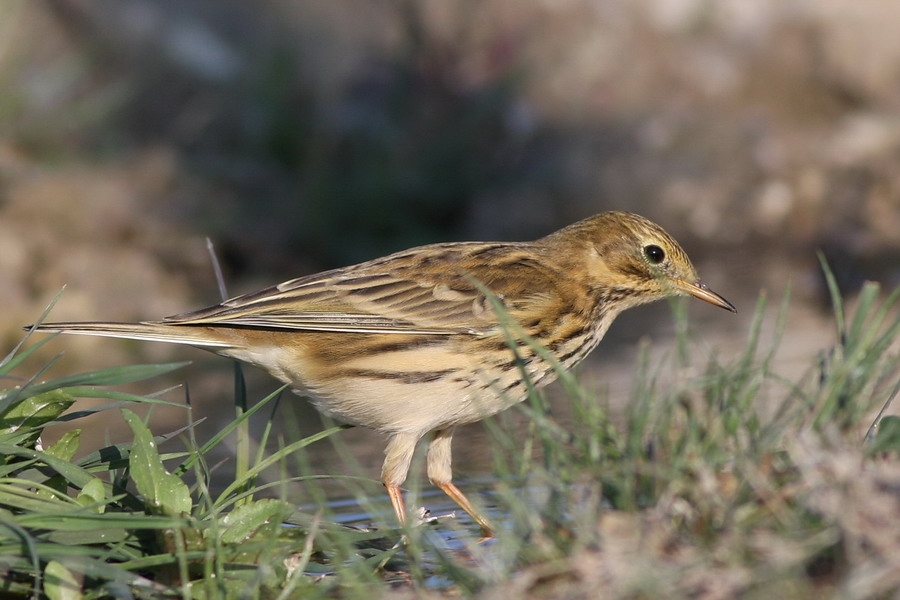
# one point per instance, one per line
(388, 295)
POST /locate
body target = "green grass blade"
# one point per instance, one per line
(226, 496)
(74, 475)
(223, 433)
(17, 355)
(109, 376)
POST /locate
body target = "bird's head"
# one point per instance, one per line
(634, 259)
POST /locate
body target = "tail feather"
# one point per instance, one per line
(147, 331)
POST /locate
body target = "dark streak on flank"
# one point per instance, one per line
(571, 353)
(400, 345)
(410, 377)
(512, 385)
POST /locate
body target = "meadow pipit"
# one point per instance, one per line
(411, 344)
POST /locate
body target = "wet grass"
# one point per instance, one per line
(720, 480)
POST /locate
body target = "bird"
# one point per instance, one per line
(422, 341)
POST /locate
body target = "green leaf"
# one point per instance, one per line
(86, 537)
(110, 376)
(105, 524)
(60, 583)
(247, 520)
(66, 446)
(74, 475)
(93, 494)
(35, 411)
(163, 492)
(107, 458)
(88, 391)
(888, 437)
(118, 375)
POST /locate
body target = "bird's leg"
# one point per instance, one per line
(440, 474)
(487, 530)
(397, 502)
(398, 455)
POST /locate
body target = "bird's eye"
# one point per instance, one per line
(654, 254)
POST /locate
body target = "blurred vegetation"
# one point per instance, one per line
(394, 159)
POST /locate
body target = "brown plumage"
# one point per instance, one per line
(410, 345)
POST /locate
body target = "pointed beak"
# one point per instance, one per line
(698, 289)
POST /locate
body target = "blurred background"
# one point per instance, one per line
(300, 136)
